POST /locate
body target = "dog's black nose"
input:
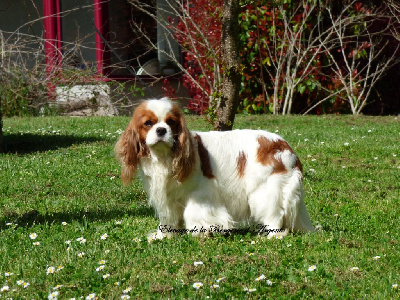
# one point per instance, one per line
(161, 131)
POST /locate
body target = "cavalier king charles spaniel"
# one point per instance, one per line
(212, 182)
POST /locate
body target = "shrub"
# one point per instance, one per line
(198, 31)
(21, 93)
(297, 56)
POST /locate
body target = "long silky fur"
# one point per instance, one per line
(184, 153)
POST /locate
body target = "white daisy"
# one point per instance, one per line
(53, 295)
(5, 288)
(262, 277)
(100, 268)
(127, 290)
(312, 268)
(81, 240)
(57, 287)
(197, 285)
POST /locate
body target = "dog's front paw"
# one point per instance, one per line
(156, 235)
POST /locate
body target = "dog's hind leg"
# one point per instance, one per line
(278, 205)
(267, 207)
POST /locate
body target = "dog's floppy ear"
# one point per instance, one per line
(127, 151)
(185, 155)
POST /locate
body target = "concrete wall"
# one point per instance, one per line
(111, 99)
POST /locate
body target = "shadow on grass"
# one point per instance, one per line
(34, 217)
(27, 143)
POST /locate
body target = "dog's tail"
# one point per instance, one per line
(297, 217)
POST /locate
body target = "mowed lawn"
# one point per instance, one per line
(68, 229)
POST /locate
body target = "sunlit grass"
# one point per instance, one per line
(68, 229)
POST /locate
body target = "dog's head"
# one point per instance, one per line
(156, 129)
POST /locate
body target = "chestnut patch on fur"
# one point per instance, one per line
(241, 162)
(266, 153)
(143, 120)
(173, 120)
(204, 158)
(298, 165)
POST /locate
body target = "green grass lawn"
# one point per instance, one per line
(68, 227)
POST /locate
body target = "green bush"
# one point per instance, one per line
(22, 94)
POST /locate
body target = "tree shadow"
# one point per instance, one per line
(34, 217)
(27, 143)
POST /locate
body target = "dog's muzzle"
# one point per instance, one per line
(161, 131)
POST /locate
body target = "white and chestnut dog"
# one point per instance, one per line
(203, 182)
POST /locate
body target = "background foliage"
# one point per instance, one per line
(324, 57)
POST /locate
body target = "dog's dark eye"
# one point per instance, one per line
(171, 122)
(148, 123)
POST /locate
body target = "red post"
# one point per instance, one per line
(50, 43)
(58, 26)
(102, 55)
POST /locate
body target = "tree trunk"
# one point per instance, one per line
(227, 107)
